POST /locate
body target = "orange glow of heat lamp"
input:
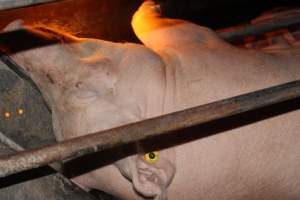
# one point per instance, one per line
(7, 114)
(20, 111)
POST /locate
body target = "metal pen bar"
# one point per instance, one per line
(12, 4)
(16, 147)
(148, 128)
(257, 29)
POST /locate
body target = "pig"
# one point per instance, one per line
(92, 85)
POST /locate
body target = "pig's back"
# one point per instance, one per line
(205, 75)
(259, 160)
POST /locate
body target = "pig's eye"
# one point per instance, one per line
(151, 157)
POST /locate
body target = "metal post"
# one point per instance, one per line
(11, 4)
(146, 129)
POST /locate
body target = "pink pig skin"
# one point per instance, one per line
(92, 85)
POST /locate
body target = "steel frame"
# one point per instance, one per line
(149, 128)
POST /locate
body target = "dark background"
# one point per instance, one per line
(221, 13)
(110, 19)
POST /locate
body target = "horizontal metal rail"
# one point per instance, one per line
(146, 129)
(16, 147)
(12, 4)
(258, 29)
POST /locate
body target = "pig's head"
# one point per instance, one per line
(91, 85)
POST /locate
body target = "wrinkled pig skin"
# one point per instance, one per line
(91, 85)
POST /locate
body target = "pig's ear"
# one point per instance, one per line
(160, 33)
(15, 25)
(154, 171)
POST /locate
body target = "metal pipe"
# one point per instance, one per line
(12, 4)
(57, 166)
(148, 128)
(10, 143)
(257, 29)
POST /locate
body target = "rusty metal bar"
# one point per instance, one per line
(10, 143)
(234, 34)
(145, 129)
(12, 4)
(57, 166)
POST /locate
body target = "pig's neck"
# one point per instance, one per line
(177, 96)
(200, 75)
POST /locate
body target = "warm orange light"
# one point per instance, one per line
(20, 111)
(7, 114)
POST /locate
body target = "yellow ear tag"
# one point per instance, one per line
(151, 157)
